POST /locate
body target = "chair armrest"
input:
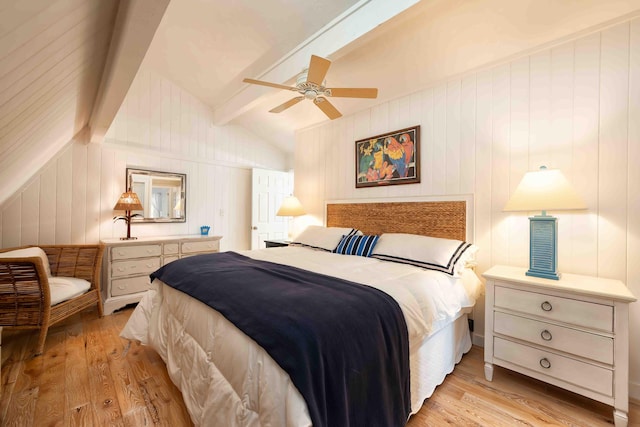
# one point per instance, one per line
(24, 291)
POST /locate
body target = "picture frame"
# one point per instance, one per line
(389, 159)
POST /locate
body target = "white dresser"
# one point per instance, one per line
(128, 263)
(572, 333)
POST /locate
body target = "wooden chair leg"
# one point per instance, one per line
(100, 310)
(41, 339)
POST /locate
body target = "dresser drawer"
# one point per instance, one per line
(171, 248)
(136, 266)
(137, 251)
(166, 260)
(584, 344)
(585, 375)
(567, 310)
(130, 285)
(195, 246)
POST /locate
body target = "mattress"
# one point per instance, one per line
(228, 380)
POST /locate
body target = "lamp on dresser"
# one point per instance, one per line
(543, 190)
(128, 202)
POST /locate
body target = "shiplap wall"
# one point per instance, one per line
(159, 126)
(52, 54)
(575, 107)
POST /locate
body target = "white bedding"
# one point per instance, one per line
(228, 380)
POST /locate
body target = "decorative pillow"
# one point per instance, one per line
(361, 245)
(432, 253)
(325, 238)
(29, 252)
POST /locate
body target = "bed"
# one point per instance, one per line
(228, 379)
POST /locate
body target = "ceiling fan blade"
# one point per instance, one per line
(327, 107)
(293, 101)
(353, 92)
(276, 85)
(318, 68)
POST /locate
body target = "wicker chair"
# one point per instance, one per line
(25, 299)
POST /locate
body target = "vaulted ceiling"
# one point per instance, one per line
(208, 47)
(66, 65)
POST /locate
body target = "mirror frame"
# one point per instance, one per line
(160, 174)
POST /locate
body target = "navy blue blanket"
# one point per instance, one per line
(344, 345)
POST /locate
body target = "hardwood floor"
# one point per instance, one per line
(89, 376)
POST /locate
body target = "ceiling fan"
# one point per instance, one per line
(310, 84)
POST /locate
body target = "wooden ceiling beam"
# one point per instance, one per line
(135, 26)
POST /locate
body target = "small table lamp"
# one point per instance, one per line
(542, 190)
(128, 202)
(291, 206)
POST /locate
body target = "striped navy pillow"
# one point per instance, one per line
(356, 245)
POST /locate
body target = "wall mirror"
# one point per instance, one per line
(162, 194)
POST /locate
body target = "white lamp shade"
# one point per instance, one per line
(544, 190)
(291, 206)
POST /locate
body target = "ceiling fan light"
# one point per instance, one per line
(310, 94)
(302, 77)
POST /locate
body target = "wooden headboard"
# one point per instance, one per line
(447, 219)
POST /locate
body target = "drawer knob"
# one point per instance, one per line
(546, 335)
(544, 362)
(546, 306)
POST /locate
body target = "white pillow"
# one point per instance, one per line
(64, 288)
(432, 253)
(29, 252)
(325, 238)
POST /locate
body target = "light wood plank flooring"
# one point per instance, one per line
(89, 376)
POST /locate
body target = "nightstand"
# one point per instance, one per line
(572, 333)
(276, 243)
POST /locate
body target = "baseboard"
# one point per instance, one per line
(477, 339)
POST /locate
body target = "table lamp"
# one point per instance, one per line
(127, 202)
(290, 206)
(542, 190)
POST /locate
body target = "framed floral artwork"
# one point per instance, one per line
(391, 158)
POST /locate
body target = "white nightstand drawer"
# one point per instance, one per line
(130, 285)
(195, 246)
(567, 310)
(585, 344)
(137, 266)
(582, 374)
(137, 251)
(171, 248)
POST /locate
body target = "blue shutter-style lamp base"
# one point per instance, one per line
(543, 241)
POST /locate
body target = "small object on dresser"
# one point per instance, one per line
(128, 202)
(204, 230)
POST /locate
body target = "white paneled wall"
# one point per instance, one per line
(575, 107)
(51, 58)
(159, 126)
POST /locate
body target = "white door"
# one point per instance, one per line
(268, 189)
